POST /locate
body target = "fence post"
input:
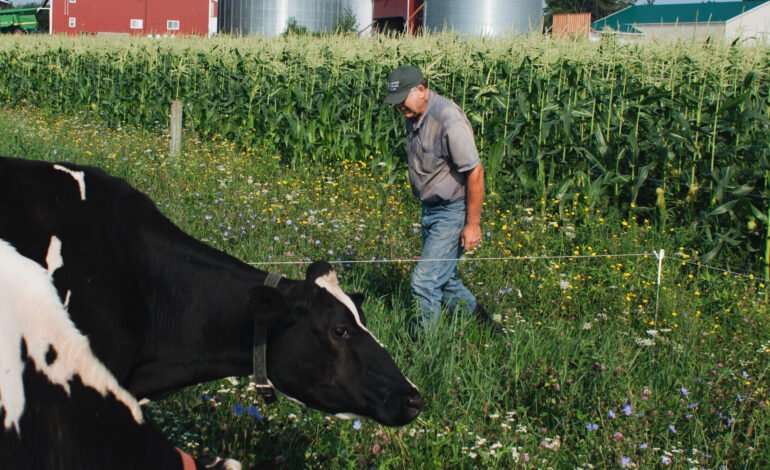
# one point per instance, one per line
(176, 128)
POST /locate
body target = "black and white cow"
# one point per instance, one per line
(160, 311)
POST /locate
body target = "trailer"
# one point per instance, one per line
(25, 20)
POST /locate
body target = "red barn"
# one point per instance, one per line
(398, 15)
(140, 17)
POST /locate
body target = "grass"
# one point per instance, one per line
(598, 368)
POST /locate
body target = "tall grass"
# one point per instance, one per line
(594, 369)
(675, 133)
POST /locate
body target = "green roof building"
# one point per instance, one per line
(748, 21)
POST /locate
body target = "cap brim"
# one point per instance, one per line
(397, 97)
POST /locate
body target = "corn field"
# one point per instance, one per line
(673, 134)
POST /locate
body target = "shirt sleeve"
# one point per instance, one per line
(461, 146)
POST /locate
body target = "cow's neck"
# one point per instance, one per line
(200, 319)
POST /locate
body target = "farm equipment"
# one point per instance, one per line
(25, 20)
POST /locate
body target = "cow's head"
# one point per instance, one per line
(322, 354)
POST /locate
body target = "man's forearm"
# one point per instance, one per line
(474, 195)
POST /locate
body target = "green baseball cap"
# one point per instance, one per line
(400, 81)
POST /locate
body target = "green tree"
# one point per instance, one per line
(346, 22)
(597, 8)
(293, 27)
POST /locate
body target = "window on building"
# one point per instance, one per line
(137, 23)
(73, 22)
(172, 25)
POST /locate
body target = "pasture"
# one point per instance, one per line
(601, 366)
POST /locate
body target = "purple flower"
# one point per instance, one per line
(672, 428)
(591, 427)
(627, 409)
(611, 414)
(684, 391)
(238, 409)
(357, 424)
(643, 445)
(625, 462)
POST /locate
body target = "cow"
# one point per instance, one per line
(159, 310)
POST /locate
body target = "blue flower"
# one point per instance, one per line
(672, 428)
(357, 424)
(611, 414)
(253, 411)
(684, 391)
(643, 445)
(238, 409)
(591, 427)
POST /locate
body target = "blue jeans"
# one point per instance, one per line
(437, 283)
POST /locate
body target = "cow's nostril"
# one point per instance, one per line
(413, 403)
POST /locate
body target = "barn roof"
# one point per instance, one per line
(710, 12)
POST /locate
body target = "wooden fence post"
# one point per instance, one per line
(176, 128)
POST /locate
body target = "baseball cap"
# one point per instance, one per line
(400, 81)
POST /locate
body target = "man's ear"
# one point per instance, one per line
(268, 306)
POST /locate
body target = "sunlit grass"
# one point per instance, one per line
(598, 366)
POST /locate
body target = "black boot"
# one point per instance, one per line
(486, 319)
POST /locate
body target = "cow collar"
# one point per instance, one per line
(264, 388)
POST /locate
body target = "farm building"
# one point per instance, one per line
(139, 17)
(480, 17)
(271, 17)
(398, 15)
(749, 21)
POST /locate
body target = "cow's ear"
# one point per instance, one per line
(320, 269)
(268, 306)
(358, 300)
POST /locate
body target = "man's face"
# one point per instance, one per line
(414, 104)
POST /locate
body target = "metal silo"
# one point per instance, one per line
(484, 17)
(270, 17)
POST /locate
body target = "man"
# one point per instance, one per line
(447, 176)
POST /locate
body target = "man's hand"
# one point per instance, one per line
(471, 237)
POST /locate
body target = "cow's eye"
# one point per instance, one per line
(340, 332)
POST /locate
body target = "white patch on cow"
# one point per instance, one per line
(348, 416)
(329, 282)
(53, 258)
(79, 176)
(227, 464)
(30, 310)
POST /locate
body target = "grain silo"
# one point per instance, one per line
(270, 17)
(484, 17)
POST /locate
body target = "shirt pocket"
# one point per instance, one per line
(430, 160)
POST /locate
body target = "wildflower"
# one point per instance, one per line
(590, 427)
(357, 424)
(238, 409)
(665, 460)
(551, 444)
(253, 411)
(611, 414)
(627, 409)
(672, 428)
(625, 462)
(643, 445)
(618, 436)
(684, 391)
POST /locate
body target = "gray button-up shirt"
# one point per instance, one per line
(441, 149)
